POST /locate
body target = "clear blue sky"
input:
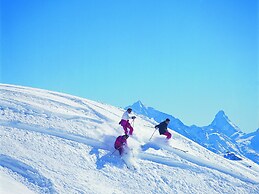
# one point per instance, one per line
(188, 58)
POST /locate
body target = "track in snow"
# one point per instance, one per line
(27, 172)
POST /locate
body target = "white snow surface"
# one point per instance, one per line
(58, 143)
(10, 185)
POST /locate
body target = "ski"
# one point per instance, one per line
(185, 151)
(125, 163)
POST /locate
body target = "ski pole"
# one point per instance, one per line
(152, 134)
(113, 152)
(133, 122)
(116, 149)
(148, 126)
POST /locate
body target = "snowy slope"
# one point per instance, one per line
(221, 136)
(58, 143)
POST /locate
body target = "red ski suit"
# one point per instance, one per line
(119, 143)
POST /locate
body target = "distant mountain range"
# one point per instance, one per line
(221, 136)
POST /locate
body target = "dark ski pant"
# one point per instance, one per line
(120, 149)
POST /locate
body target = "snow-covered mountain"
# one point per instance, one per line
(222, 124)
(221, 136)
(251, 140)
(249, 144)
(58, 143)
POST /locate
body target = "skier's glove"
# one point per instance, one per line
(133, 117)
